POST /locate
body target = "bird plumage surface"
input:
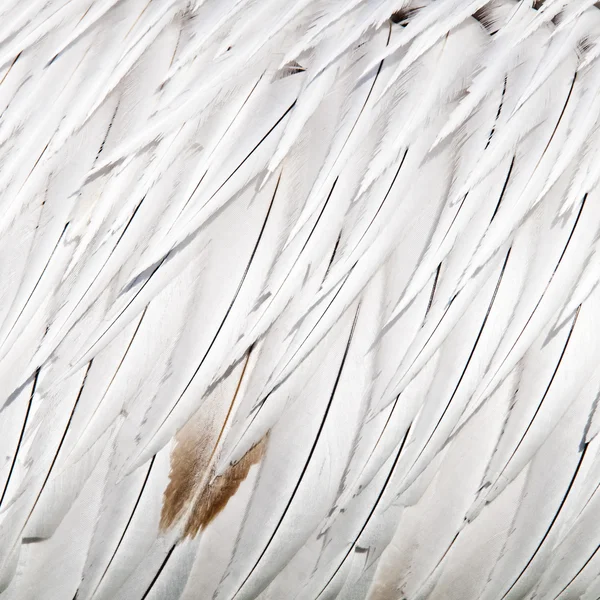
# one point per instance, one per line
(298, 299)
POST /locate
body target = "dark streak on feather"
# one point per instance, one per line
(433, 288)
(590, 419)
(484, 16)
(402, 16)
(160, 570)
(12, 64)
(110, 124)
(510, 168)
(15, 393)
(335, 248)
(500, 105)
(20, 441)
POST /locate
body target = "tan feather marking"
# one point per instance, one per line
(218, 491)
(189, 460)
(197, 443)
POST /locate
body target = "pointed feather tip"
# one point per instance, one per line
(144, 456)
(295, 231)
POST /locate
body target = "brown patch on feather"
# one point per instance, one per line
(197, 444)
(189, 461)
(217, 492)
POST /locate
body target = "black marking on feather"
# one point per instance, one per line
(289, 69)
(389, 325)
(21, 435)
(383, 430)
(441, 560)
(562, 503)
(259, 405)
(371, 512)
(562, 113)
(556, 329)
(485, 17)
(15, 393)
(433, 288)
(144, 276)
(403, 15)
(510, 168)
(335, 249)
(110, 124)
(36, 163)
(127, 525)
(32, 540)
(582, 447)
(310, 454)
(12, 64)
(107, 168)
(588, 423)
(160, 570)
(500, 105)
(492, 132)
(584, 46)
(150, 271)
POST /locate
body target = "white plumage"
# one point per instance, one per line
(298, 299)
